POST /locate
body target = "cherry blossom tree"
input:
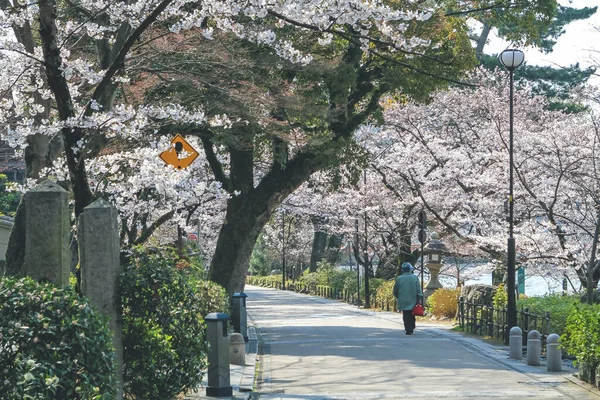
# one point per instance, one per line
(91, 85)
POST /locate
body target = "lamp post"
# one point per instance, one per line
(511, 59)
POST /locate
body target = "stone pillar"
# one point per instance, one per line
(100, 266)
(515, 343)
(219, 384)
(47, 227)
(534, 348)
(434, 283)
(434, 251)
(239, 318)
(237, 349)
(554, 354)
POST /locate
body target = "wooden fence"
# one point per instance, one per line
(483, 320)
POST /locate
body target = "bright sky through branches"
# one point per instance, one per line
(580, 43)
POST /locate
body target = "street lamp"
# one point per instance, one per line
(511, 59)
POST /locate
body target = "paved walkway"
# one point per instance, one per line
(316, 349)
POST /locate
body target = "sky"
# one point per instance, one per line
(580, 43)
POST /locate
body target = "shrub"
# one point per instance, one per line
(164, 348)
(500, 297)
(582, 333)
(213, 298)
(559, 307)
(53, 345)
(384, 295)
(443, 303)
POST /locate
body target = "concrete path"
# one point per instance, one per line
(315, 348)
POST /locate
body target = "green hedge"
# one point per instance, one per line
(559, 307)
(53, 345)
(582, 333)
(164, 346)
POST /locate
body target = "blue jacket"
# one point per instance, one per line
(407, 289)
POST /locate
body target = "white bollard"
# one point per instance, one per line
(554, 354)
(515, 343)
(237, 349)
(534, 348)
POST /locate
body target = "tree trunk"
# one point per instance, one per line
(235, 243)
(333, 248)
(482, 40)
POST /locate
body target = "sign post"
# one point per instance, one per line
(181, 154)
(422, 238)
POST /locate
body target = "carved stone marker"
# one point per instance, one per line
(47, 227)
(100, 266)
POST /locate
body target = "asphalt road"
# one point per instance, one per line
(313, 348)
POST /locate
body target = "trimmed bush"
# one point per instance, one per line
(560, 308)
(213, 298)
(164, 346)
(384, 295)
(443, 303)
(582, 336)
(53, 345)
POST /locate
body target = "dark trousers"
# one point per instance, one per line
(409, 320)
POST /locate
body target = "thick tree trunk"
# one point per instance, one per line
(236, 241)
(318, 249)
(333, 248)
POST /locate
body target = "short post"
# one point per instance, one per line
(237, 349)
(239, 318)
(516, 343)
(554, 354)
(100, 266)
(47, 226)
(534, 347)
(219, 384)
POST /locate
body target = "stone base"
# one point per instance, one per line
(219, 391)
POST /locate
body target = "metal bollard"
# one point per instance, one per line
(237, 349)
(554, 354)
(239, 318)
(219, 384)
(534, 348)
(515, 343)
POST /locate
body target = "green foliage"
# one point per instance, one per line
(443, 303)
(582, 333)
(564, 16)
(556, 84)
(384, 293)
(559, 307)
(53, 345)
(500, 297)
(163, 327)
(265, 281)
(213, 298)
(9, 201)
(261, 260)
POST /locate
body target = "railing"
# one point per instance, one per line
(482, 320)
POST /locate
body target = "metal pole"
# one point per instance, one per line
(512, 303)
(283, 248)
(367, 293)
(357, 263)
(422, 258)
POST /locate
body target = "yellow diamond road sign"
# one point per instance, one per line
(181, 154)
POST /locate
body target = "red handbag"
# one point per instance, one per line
(418, 310)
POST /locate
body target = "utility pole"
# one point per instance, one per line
(357, 263)
(422, 238)
(366, 253)
(283, 248)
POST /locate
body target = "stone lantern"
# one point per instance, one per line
(433, 250)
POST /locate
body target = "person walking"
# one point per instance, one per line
(407, 289)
